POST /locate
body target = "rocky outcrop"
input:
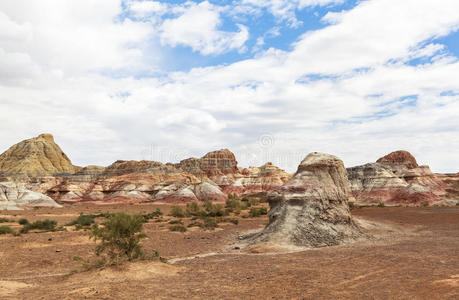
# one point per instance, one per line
(257, 181)
(396, 179)
(311, 209)
(14, 196)
(452, 184)
(38, 156)
(44, 168)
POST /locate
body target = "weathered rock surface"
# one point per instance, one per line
(34, 157)
(43, 167)
(14, 196)
(452, 184)
(257, 181)
(311, 209)
(396, 179)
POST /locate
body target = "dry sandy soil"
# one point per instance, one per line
(414, 254)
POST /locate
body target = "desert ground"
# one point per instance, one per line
(412, 254)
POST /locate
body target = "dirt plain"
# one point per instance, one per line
(413, 254)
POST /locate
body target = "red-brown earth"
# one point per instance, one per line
(412, 255)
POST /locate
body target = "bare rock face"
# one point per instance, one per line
(14, 196)
(34, 157)
(257, 181)
(452, 184)
(400, 158)
(311, 209)
(397, 179)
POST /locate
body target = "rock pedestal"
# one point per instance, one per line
(311, 209)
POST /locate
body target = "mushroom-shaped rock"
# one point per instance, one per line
(311, 209)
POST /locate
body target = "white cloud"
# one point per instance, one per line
(346, 105)
(285, 10)
(197, 27)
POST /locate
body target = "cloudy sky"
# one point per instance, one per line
(272, 80)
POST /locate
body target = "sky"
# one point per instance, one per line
(271, 80)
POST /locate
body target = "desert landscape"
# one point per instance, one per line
(384, 230)
(236, 149)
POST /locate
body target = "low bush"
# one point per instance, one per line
(155, 214)
(380, 204)
(83, 221)
(196, 224)
(23, 221)
(6, 230)
(45, 225)
(228, 220)
(351, 205)
(175, 222)
(119, 237)
(177, 211)
(5, 220)
(192, 209)
(209, 224)
(425, 203)
(179, 228)
(257, 211)
(215, 210)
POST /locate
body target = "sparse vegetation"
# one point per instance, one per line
(257, 211)
(45, 225)
(380, 204)
(155, 214)
(177, 211)
(5, 220)
(425, 203)
(228, 220)
(179, 228)
(175, 222)
(83, 221)
(6, 230)
(119, 237)
(23, 221)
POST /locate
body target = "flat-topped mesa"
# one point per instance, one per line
(39, 156)
(400, 158)
(311, 209)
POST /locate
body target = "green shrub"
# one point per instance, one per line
(257, 211)
(228, 220)
(196, 224)
(425, 203)
(23, 221)
(381, 204)
(6, 230)
(175, 222)
(233, 204)
(215, 210)
(119, 237)
(155, 214)
(179, 228)
(46, 225)
(82, 221)
(177, 211)
(192, 209)
(4, 220)
(210, 224)
(351, 205)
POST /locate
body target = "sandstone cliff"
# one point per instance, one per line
(34, 157)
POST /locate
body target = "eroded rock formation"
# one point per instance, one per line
(397, 179)
(14, 196)
(311, 209)
(34, 157)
